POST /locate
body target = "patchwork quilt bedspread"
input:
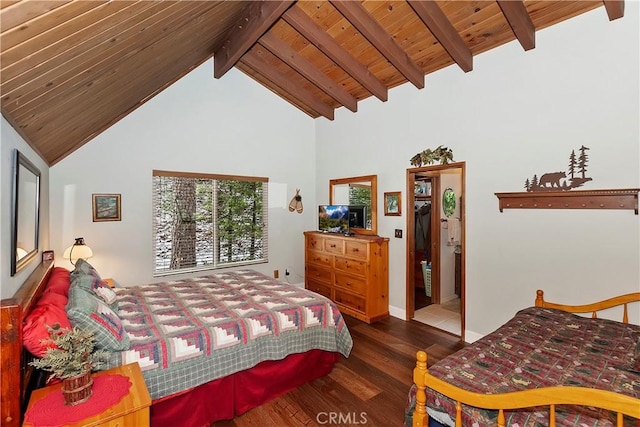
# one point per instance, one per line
(188, 332)
(540, 347)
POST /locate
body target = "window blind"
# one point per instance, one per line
(208, 221)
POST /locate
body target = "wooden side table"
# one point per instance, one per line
(132, 410)
(109, 281)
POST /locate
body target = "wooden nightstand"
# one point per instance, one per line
(109, 281)
(132, 410)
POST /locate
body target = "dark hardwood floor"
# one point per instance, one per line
(367, 389)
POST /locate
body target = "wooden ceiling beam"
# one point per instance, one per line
(516, 14)
(366, 24)
(299, 20)
(308, 70)
(254, 60)
(256, 19)
(444, 31)
(615, 8)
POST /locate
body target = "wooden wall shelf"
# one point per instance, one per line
(573, 199)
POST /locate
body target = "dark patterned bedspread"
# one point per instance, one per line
(188, 332)
(542, 347)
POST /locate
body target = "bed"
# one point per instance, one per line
(546, 366)
(243, 339)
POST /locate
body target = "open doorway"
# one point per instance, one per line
(435, 246)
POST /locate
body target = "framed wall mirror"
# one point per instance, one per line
(360, 193)
(25, 212)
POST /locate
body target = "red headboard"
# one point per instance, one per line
(14, 375)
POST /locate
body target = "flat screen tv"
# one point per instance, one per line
(333, 218)
(357, 216)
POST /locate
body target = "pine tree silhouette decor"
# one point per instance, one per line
(575, 177)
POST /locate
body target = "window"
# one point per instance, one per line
(203, 221)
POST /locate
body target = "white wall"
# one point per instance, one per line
(517, 113)
(199, 124)
(9, 141)
(453, 180)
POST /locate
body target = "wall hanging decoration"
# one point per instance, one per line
(448, 202)
(106, 207)
(440, 154)
(551, 191)
(296, 202)
(393, 203)
(563, 181)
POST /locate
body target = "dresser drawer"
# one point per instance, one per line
(319, 274)
(320, 258)
(351, 301)
(315, 242)
(319, 288)
(351, 266)
(356, 249)
(334, 246)
(355, 285)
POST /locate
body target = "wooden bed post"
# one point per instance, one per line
(11, 356)
(15, 374)
(420, 416)
(539, 298)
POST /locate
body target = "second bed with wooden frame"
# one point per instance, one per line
(549, 365)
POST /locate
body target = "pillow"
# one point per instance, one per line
(34, 329)
(51, 298)
(86, 277)
(59, 281)
(86, 311)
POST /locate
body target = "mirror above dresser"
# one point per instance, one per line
(360, 192)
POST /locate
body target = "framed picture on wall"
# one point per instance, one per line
(106, 207)
(393, 203)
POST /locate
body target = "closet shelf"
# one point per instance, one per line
(574, 199)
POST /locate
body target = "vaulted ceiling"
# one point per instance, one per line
(69, 69)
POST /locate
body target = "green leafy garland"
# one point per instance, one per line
(440, 154)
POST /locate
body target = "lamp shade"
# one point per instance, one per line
(78, 250)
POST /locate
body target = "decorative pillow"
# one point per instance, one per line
(59, 281)
(87, 311)
(34, 329)
(86, 277)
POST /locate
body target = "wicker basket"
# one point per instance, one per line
(77, 389)
(426, 275)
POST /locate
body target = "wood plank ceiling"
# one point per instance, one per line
(69, 69)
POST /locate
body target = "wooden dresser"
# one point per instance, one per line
(353, 271)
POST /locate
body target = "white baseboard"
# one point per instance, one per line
(400, 313)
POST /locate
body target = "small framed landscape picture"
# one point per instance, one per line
(106, 207)
(393, 203)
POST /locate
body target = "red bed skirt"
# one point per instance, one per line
(227, 397)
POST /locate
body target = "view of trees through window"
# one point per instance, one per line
(208, 221)
(361, 195)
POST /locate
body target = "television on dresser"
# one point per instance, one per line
(357, 216)
(333, 218)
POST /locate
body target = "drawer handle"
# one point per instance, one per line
(356, 250)
(332, 245)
